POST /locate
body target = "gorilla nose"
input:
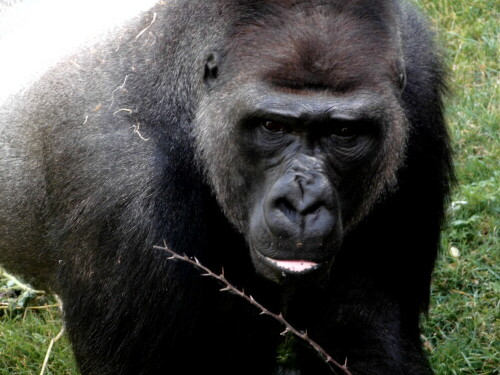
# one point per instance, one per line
(300, 205)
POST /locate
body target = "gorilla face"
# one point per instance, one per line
(297, 152)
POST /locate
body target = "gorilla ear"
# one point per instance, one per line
(211, 69)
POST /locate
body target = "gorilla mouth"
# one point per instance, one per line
(281, 270)
(297, 266)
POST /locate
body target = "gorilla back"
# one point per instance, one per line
(298, 145)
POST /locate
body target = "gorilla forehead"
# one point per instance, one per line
(328, 44)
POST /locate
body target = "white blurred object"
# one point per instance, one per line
(458, 204)
(454, 252)
(35, 34)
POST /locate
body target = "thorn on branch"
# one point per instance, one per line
(227, 286)
(285, 331)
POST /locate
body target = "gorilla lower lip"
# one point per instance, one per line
(294, 265)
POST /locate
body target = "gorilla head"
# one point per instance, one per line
(306, 135)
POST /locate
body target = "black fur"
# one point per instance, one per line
(102, 160)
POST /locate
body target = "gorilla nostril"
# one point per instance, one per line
(288, 210)
(312, 208)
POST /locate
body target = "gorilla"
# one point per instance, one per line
(300, 146)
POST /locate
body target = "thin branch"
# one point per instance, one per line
(128, 110)
(228, 287)
(144, 30)
(122, 86)
(54, 340)
(49, 350)
(136, 130)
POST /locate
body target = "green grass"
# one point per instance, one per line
(462, 330)
(24, 342)
(29, 319)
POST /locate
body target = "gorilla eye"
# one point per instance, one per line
(350, 129)
(345, 130)
(274, 126)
